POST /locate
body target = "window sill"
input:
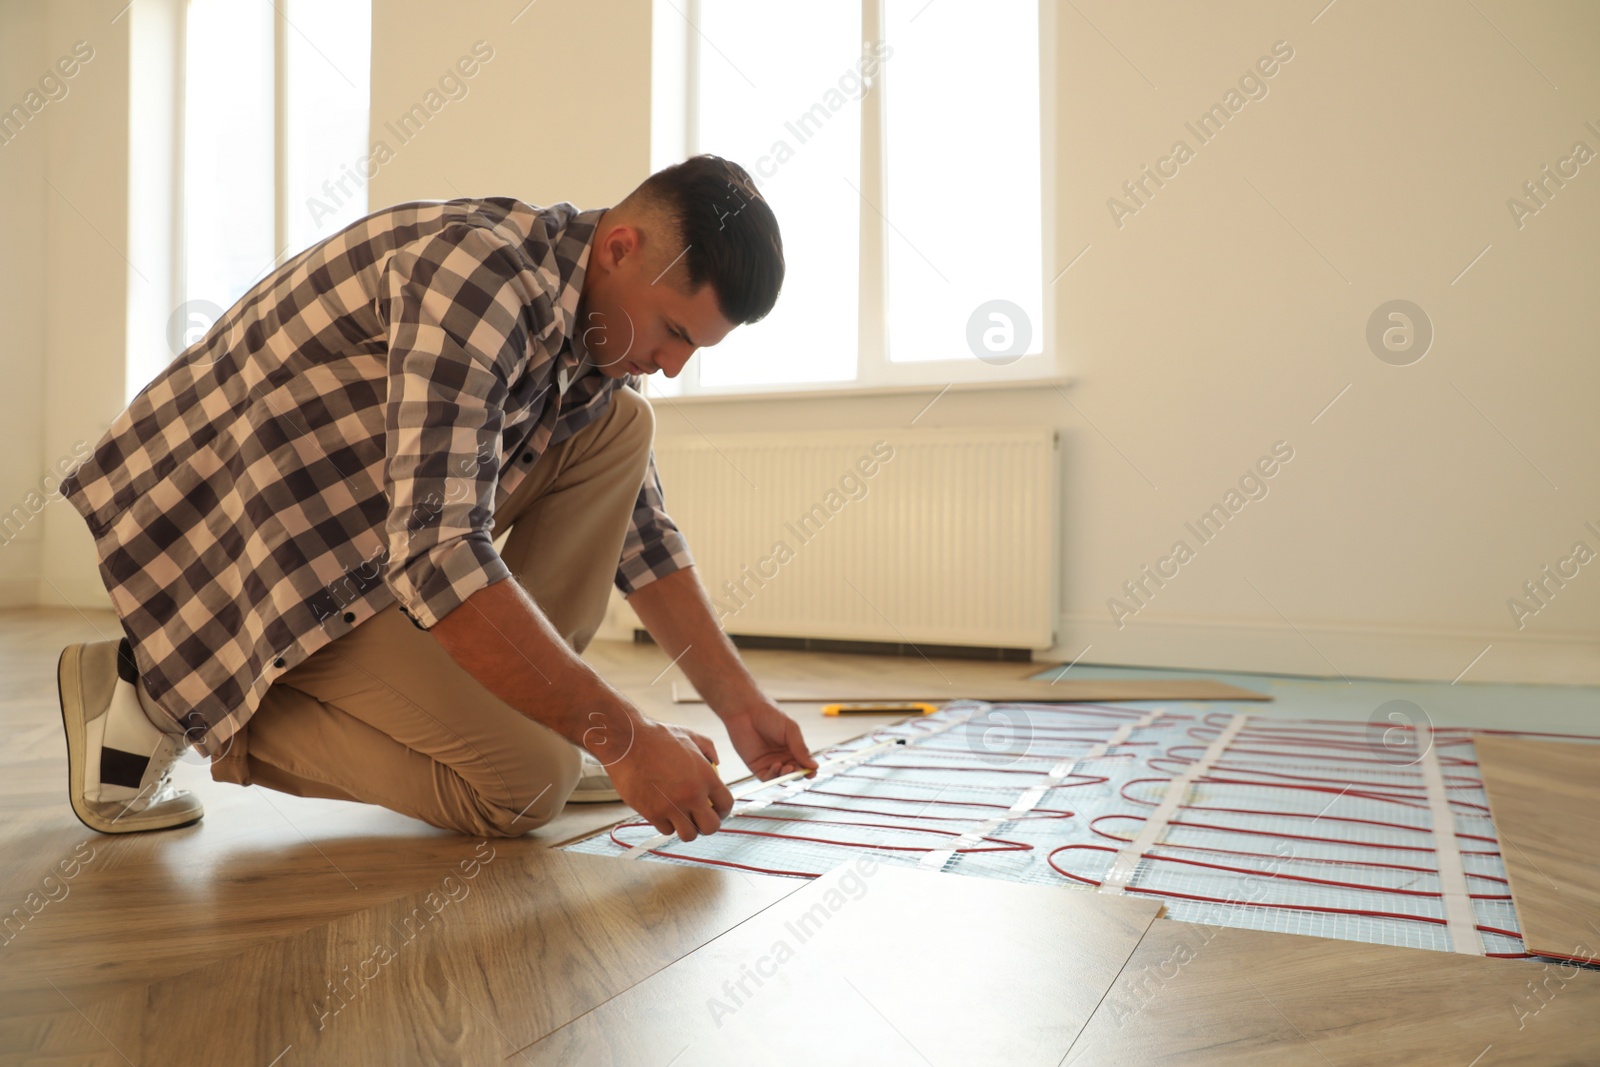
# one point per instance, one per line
(842, 390)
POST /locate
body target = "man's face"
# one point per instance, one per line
(633, 317)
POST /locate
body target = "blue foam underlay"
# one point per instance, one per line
(1553, 708)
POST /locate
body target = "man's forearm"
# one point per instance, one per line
(500, 637)
(678, 614)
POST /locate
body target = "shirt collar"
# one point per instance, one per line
(573, 246)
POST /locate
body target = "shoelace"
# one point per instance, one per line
(164, 789)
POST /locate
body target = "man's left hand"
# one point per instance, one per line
(768, 740)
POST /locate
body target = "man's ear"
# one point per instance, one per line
(619, 244)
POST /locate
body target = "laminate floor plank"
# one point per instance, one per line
(495, 955)
(1544, 799)
(260, 865)
(208, 944)
(1194, 994)
(872, 964)
(103, 910)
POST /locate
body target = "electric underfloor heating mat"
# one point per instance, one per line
(1297, 826)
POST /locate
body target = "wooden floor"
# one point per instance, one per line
(102, 918)
(282, 931)
(1002, 973)
(1036, 975)
(1545, 799)
(1208, 994)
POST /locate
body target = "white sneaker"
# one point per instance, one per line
(119, 763)
(594, 783)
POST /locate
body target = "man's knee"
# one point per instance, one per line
(636, 420)
(538, 801)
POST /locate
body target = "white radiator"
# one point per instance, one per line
(901, 535)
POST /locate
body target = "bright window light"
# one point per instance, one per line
(961, 124)
(778, 96)
(912, 210)
(330, 70)
(231, 198)
(228, 182)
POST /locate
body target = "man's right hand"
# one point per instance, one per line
(501, 638)
(667, 777)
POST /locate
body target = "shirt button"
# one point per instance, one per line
(278, 662)
(349, 616)
(527, 457)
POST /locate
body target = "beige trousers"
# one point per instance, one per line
(383, 714)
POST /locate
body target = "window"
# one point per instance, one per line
(327, 98)
(228, 170)
(900, 144)
(273, 147)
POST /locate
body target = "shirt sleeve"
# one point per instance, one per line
(653, 547)
(457, 337)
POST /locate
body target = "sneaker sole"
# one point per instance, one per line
(69, 694)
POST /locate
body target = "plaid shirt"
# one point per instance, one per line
(341, 439)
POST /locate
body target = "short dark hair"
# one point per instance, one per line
(728, 228)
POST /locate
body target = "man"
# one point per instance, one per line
(296, 523)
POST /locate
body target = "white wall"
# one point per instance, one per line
(1220, 318)
(65, 282)
(1230, 310)
(22, 37)
(1211, 325)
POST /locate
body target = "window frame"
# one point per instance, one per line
(677, 54)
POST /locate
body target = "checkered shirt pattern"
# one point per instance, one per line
(340, 440)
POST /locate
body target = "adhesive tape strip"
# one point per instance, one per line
(1122, 868)
(1463, 925)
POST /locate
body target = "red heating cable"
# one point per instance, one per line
(1003, 845)
(1332, 861)
(1236, 767)
(1362, 794)
(1324, 840)
(1361, 912)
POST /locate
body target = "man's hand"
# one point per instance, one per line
(678, 615)
(768, 740)
(667, 777)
